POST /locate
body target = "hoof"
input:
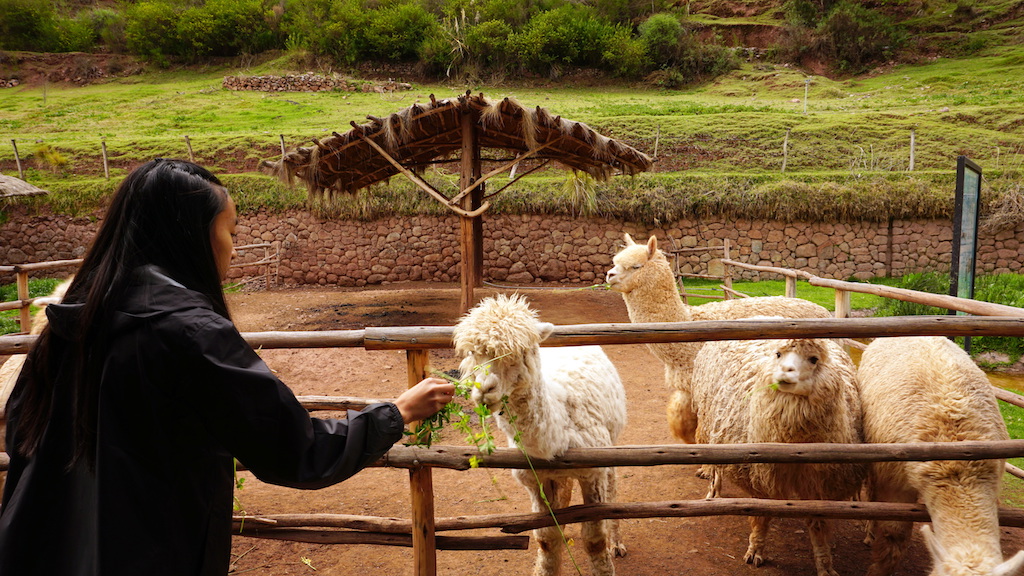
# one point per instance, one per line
(753, 558)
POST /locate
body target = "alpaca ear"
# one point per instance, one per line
(545, 329)
(1011, 566)
(628, 239)
(652, 246)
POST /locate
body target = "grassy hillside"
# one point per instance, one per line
(719, 145)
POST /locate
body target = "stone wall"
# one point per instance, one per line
(308, 83)
(522, 249)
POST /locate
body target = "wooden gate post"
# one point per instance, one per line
(26, 317)
(421, 483)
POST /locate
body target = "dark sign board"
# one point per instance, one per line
(965, 230)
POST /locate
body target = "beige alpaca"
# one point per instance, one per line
(926, 389)
(802, 390)
(644, 277)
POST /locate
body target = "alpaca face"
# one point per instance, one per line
(628, 262)
(796, 362)
(497, 378)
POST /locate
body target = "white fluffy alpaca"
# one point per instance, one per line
(644, 276)
(550, 399)
(802, 390)
(926, 389)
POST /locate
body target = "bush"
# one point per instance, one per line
(624, 55)
(855, 36)
(225, 28)
(488, 43)
(662, 33)
(333, 29)
(28, 25)
(151, 31)
(396, 32)
(568, 35)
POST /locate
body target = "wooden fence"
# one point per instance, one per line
(420, 530)
(270, 262)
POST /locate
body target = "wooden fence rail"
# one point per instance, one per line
(420, 530)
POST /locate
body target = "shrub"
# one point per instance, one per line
(151, 31)
(225, 28)
(624, 55)
(855, 36)
(488, 43)
(28, 25)
(333, 29)
(568, 35)
(396, 32)
(662, 33)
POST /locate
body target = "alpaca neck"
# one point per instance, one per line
(965, 508)
(657, 299)
(536, 414)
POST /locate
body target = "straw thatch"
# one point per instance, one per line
(425, 134)
(11, 186)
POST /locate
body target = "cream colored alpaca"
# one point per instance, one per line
(644, 277)
(802, 390)
(550, 400)
(926, 389)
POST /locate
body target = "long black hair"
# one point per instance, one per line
(160, 214)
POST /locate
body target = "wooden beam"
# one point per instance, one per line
(466, 189)
(421, 484)
(470, 227)
(424, 184)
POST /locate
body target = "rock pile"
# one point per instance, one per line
(308, 82)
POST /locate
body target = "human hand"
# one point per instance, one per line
(425, 399)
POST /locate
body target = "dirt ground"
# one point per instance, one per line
(705, 546)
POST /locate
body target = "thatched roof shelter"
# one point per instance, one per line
(456, 130)
(11, 186)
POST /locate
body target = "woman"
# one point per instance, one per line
(130, 409)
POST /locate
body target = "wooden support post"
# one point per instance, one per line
(17, 159)
(727, 270)
(106, 165)
(842, 304)
(470, 228)
(421, 484)
(790, 287)
(25, 317)
(785, 150)
(188, 143)
(912, 150)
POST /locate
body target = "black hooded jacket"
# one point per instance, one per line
(181, 393)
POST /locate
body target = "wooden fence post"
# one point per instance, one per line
(421, 483)
(283, 150)
(790, 286)
(17, 158)
(188, 143)
(785, 149)
(842, 303)
(912, 147)
(726, 270)
(25, 318)
(106, 165)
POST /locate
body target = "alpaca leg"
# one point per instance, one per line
(821, 543)
(758, 535)
(889, 540)
(597, 535)
(714, 476)
(682, 420)
(549, 539)
(618, 546)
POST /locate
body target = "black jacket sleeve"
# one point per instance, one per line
(259, 421)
